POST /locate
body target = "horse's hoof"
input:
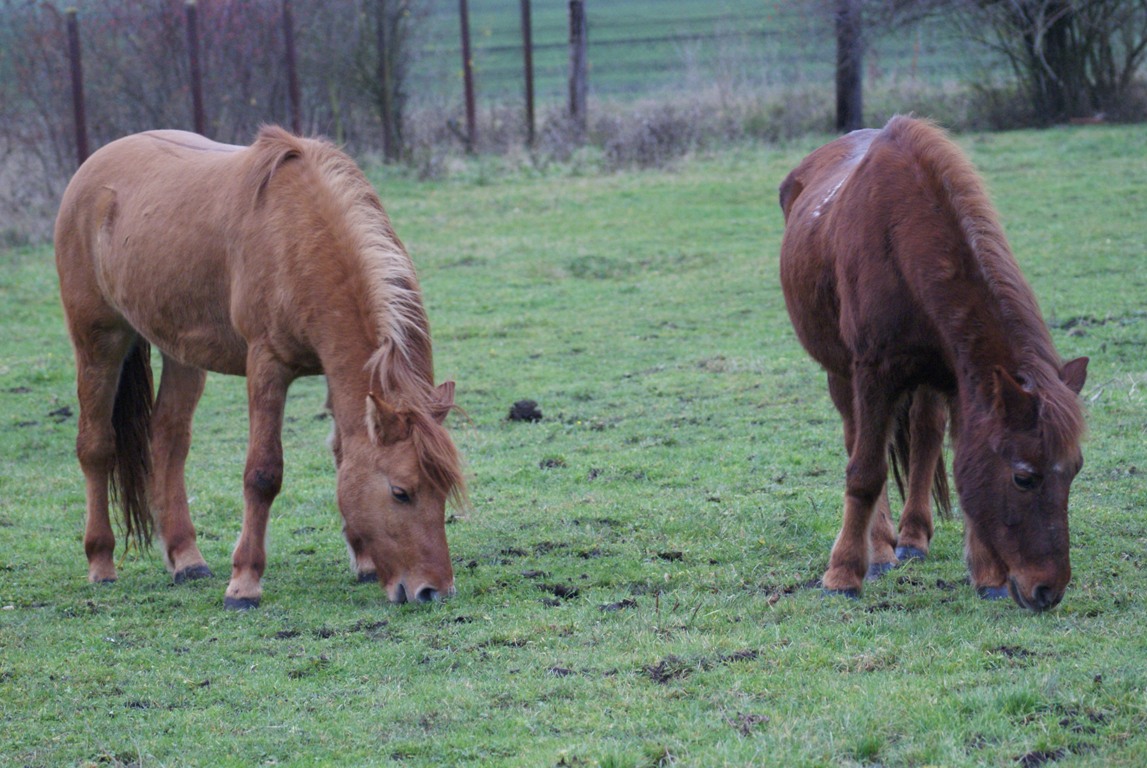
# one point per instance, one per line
(910, 553)
(193, 573)
(368, 577)
(240, 603)
(876, 570)
(851, 593)
(993, 593)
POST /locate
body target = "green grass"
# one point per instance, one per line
(633, 575)
(641, 46)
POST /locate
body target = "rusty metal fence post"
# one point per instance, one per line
(468, 76)
(292, 67)
(196, 73)
(78, 112)
(528, 65)
(578, 65)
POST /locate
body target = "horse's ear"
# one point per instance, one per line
(1018, 408)
(384, 423)
(444, 401)
(1074, 373)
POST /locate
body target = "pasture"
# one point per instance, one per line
(636, 576)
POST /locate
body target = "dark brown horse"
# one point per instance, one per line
(272, 261)
(900, 283)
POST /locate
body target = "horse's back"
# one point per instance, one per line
(142, 239)
(808, 196)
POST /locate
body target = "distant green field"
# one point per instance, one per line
(641, 46)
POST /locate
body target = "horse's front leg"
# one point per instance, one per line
(867, 525)
(267, 382)
(989, 573)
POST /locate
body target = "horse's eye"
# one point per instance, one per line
(400, 495)
(1025, 481)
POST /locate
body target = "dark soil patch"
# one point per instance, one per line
(545, 547)
(61, 414)
(745, 723)
(628, 602)
(675, 667)
(525, 410)
(673, 556)
(669, 668)
(1038, 758)
(561, 591)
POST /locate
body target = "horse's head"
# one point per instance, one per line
(1014, 466)
(393, 483)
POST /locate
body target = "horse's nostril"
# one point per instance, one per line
(427, 595)
(1043, 598)
(400, 594)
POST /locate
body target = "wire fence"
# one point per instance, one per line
(713, 71)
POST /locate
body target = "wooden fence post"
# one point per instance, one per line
(468, 76)
(292, 67)
(78, 112)
(578, 64)
(528, 64)
(196, 73)
(849, 57)
(385, 75)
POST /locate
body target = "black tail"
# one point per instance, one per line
(131, 418)
(900, 456)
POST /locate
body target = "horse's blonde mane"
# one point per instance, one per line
(957, 182)
(402, 366)
(401, 369)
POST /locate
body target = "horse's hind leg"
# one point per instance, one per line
(927, 419)
(865, 545)
(179, 390)
(100, 352)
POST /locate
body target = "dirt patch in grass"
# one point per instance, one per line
(674, 667)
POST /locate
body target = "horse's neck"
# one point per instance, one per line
(986, 328)
(356, 370)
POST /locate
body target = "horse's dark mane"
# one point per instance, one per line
(956, 182)
(401, 370)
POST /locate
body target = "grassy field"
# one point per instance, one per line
(636, 574)
(638, 47)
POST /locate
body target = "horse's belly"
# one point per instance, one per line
(813, 307)
(184, 316)
(207, 349)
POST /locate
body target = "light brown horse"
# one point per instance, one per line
(900, 283)
(272, 261)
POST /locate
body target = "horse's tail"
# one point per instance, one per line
(900, 457)
(131, 418)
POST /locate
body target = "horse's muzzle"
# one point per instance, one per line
(425, 594)
(1041, 598)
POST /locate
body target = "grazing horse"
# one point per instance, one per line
(900, 283)
(272, 261)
